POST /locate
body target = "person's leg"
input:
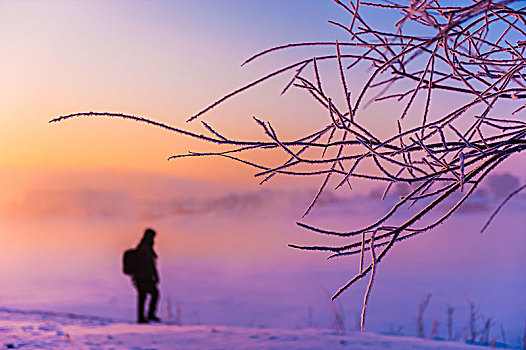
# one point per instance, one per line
(154, 297)
(141, 298)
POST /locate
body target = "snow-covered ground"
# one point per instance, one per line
(33, 330)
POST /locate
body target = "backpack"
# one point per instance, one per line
(129, 261)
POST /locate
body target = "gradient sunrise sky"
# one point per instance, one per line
(158, 59)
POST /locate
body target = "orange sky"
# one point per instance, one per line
(162, 61)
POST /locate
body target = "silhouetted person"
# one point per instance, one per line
(146, 277)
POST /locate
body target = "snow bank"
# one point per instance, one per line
(46, 331)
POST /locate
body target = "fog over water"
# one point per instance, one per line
(224, 259)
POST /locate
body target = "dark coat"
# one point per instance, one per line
(147, 265)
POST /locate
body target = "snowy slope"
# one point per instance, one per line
(19, 330)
